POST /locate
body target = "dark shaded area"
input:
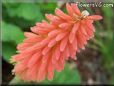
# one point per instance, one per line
(90, 67)
(6, 72)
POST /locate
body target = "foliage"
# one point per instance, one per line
(11, 33)
(104, 40)
(8, 50)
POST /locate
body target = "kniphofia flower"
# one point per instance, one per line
(46, 48)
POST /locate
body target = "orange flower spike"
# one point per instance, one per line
(46, 48)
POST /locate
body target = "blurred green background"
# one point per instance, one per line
(97, 59)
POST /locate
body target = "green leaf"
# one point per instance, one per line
(8, 50)
(11, 33)
(11, 8)
(49, 7)
(108, 12)
(28, 11)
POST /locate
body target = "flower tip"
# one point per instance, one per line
(56, 8)
(93, 36)
(25, 33)
(12, 60)
(95, 17)
(67, 4)
(13, 72)
(75, 58)
(100, 17)
(78, 51)
(46, 14)
(83, 48)
(73, 3)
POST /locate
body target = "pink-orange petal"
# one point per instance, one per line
(71, 37)
(34, 59)
(75, 28)
(75, 8)
(29, 34)
(95, 17)
(69, 9)
(60, 36)
(63, 44)
(62, 15)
